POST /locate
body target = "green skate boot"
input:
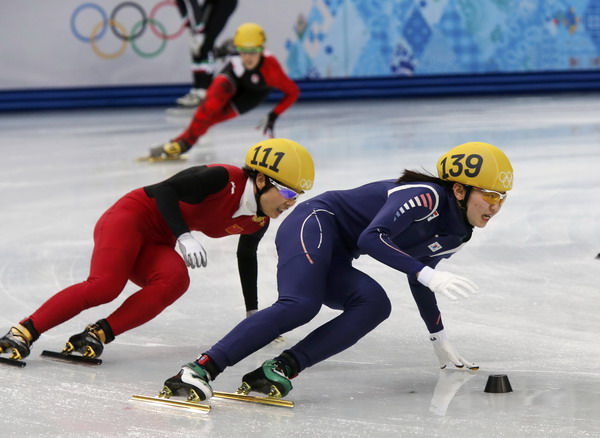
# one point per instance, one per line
(18, 340)
(192, 382)
(270, 379)
(90, 342)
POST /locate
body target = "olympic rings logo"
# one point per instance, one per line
(305, 184)
(506, 178)
(120, 31)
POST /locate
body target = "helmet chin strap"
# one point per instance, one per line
(257, 196)
(463, 203)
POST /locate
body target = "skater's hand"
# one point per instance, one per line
(446, 283)
(267, 124)
(446, 353)
(192, 251)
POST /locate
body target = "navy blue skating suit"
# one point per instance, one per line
(406, 226)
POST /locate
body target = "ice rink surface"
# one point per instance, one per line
(536, 319)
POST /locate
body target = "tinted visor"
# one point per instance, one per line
(284, 191)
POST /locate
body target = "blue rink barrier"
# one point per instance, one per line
(326, 89)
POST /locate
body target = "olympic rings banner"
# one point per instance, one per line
(79, 43)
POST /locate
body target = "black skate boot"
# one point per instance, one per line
(272, 378)
(18, 340)
(192, 381)
(90, 342)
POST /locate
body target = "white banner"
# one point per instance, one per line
(74, 43)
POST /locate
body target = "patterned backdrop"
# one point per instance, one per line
(362, 38)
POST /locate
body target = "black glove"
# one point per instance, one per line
(268, 124)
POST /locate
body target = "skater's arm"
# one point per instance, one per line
(275, 77)
(392, 219)
(248, 266)
(191, 185)
(426, 303)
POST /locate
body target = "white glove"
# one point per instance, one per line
(446, 352)
(446, 283)
(192, 251)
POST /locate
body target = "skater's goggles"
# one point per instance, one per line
(492, 197)
(284, 191)
(257, 49)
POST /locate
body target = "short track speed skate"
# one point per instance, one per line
(170, 151)
(89, 344)
(192, 382)
(17, 341)
(270, 379)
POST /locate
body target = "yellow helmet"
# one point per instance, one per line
(477, 164)
(248, 36)
(286, 161)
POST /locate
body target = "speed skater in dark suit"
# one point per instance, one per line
(242, 85)
(205, 20)
(409, 224)
(135, 240)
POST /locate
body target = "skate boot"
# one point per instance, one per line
(171, 149)
(90, 342)
(192, 381)
(18, 340)
(270, 379)
(193, 98)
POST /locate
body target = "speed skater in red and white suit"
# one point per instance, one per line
(134, 241)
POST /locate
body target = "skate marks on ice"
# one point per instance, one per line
(149, 159)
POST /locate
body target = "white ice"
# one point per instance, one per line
(536, 318)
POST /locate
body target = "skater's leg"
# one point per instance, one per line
(112, 261)
(302, 274)
(163, 276)
(365, 305)
(216, 108)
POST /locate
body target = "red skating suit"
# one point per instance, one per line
(237, 90)
(135, 238)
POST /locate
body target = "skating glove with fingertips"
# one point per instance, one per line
(446, 353)
(192, 251)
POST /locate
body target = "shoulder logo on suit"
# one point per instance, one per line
(424, 200)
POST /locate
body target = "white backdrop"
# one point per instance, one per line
(40, 48)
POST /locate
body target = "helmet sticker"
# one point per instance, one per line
(264, 163)
(469, 166)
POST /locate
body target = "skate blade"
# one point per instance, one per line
(161, 159)
(12, 362)
(272, 401)
(70, 358)
(174, 403)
